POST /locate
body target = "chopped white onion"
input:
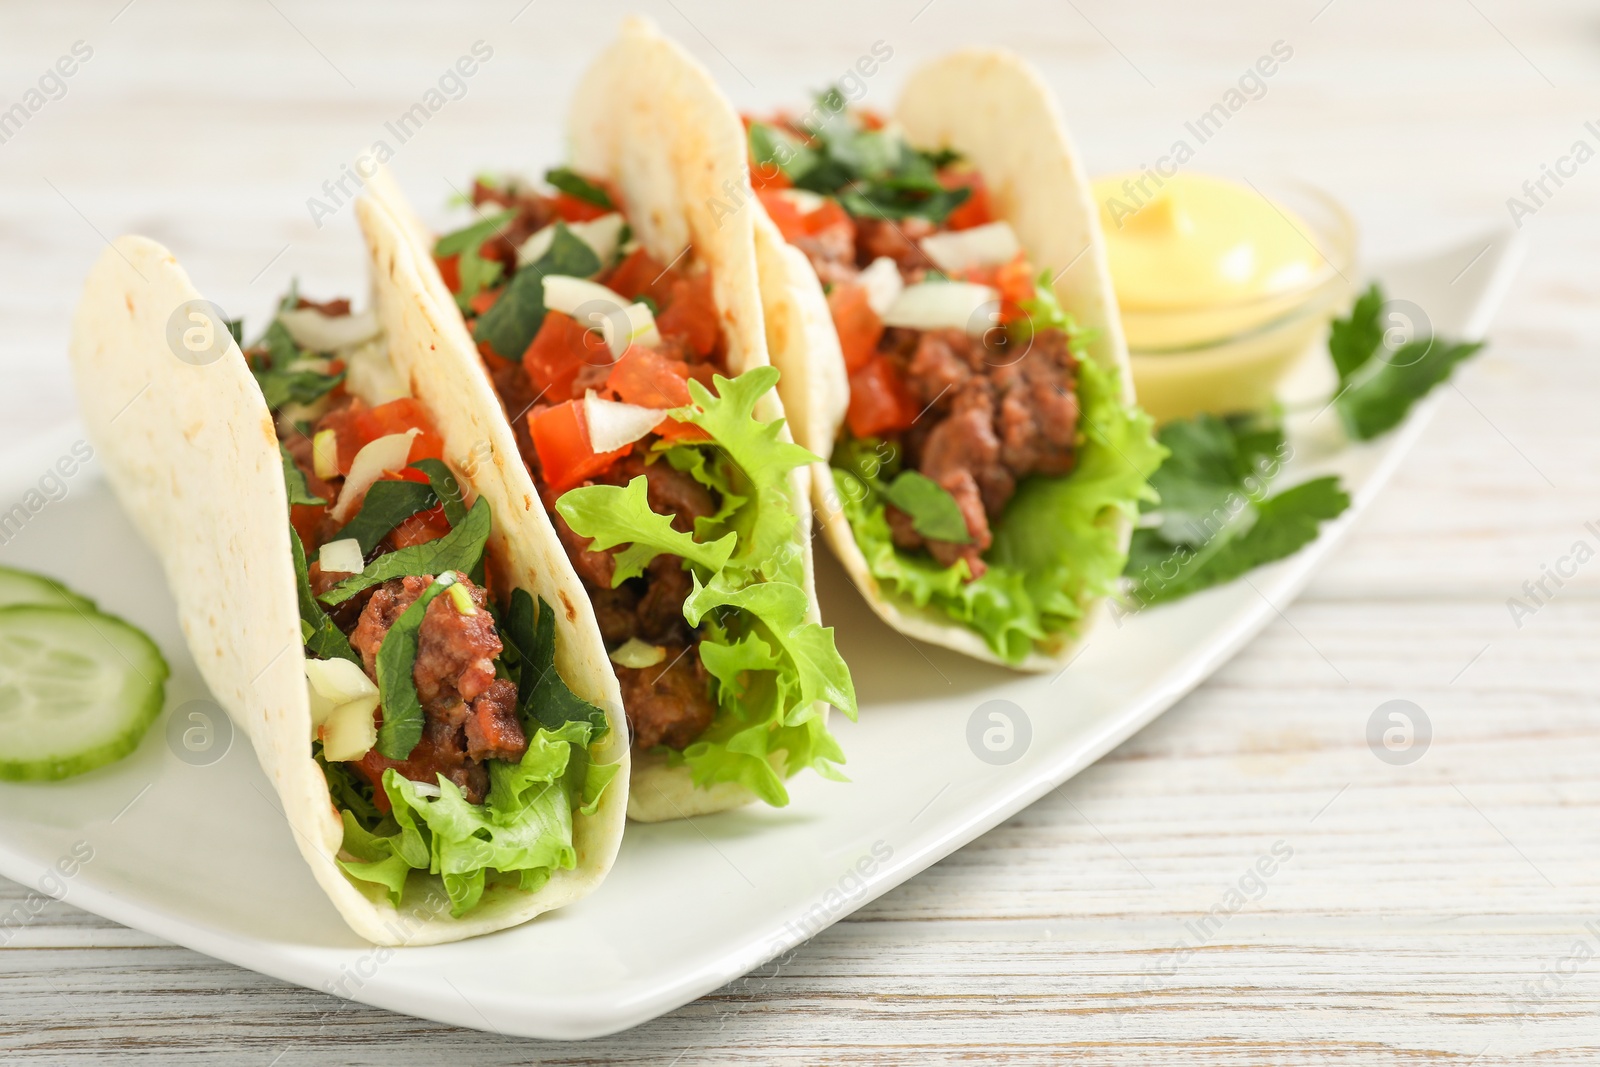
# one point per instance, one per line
(314, 364)
(567, 294)
(428, 789)
(601, 234)
(312, 329)
(387, 453)
(954, 251)
(325, 454)
(945, 305)
(343, 699)
(342, 556)
(637, 654)
(882, 281)
(370, 375)
(804, 200)
(613, 425)
(641, 329)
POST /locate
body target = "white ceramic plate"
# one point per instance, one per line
(190, 846)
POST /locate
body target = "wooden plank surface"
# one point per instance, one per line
(1436, 912)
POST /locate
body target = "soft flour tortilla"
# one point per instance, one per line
(650, 120)
(194, 460)
(993, 109)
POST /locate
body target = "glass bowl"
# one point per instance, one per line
(1227, 358)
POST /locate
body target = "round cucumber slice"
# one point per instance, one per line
(25, 587)
(78, 689)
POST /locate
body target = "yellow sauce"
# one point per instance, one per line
(1219, 288)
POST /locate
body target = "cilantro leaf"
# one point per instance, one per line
(1378, 384)
(458, 550)
(1379, 401)
(544, 698)
(387, 504)
(446, 488)
(1276, 528)
(773, 147)
(321, 636)
(576, 185)
(397, 689)
(294, 480)
(474, 271)
(282, 382)
(510, 325)
(934, 512)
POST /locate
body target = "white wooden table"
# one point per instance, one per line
(1432, 912)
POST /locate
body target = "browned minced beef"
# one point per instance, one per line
(333, 309)
(534, 213)
(677, 708)
(895, 238)
(994, 415)
(668, 704)
(470, 716)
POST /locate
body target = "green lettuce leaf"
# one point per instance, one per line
(770, 665)
(523, 828)
(1056, 545)
(621, 515)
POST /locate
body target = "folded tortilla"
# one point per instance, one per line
(192, 454)
(995, 111)
(648, 119)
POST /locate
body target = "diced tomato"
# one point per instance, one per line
(558, 353)
(397, 416)
(870, 120)
(691, 314)
(306, 518)
(686, 432)
(484, 299)
(975, 210)
(572, 209)
(859, 327)
(649, 379)
(880, 401)
(450, 271)
(784, 213)
(405, 474)
(768, 176)
(561, 438)
(640, 275)
(420, 528)
(1013, 279)
(795, 224)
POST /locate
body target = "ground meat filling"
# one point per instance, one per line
(470, 715)
(670, 703)
(992, 414)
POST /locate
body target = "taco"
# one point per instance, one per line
(937, 298)
(617, 315)
(363, 594)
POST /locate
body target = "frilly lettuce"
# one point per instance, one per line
(771, 665)
(523, 830)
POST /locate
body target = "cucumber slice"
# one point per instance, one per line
(78, 689)
(24, 587)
